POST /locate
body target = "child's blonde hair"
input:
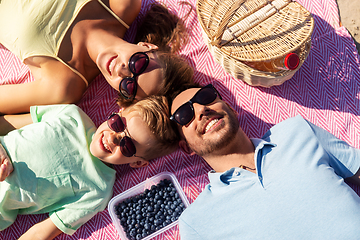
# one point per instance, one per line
(154, 111)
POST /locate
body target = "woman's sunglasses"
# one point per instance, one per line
(138, 62)
(185, 113)
(127, 146)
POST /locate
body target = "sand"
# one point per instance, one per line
(350, 18)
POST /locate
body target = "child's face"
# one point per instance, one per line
(105, 143)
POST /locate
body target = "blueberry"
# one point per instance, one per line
(157, 222)
(133, 232)
(147, 226)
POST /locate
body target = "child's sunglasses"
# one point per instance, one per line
(185, 113)
(138, 62)
(127, 146)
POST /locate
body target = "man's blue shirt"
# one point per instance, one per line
(298, 191)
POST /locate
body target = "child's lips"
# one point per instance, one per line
(104, 145)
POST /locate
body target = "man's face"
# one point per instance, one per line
(213, 126)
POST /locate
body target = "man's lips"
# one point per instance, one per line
(111, 64)
(211, 124)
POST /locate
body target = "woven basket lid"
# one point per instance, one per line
(255, 30)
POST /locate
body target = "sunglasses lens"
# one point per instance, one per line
(128, 87)
(115, 123)
(184, 114)
(127, 147)
(138, 63)
(205, 96)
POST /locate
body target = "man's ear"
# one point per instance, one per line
(184, 146)
(139, 164)
(150, 46)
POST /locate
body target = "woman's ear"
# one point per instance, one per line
(150, 46)
(139, 164)
(184, 146)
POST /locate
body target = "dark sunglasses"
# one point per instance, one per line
(127, 146)
(185, 113)
(138, 62)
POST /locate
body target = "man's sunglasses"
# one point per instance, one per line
(127, 146)
(185, 113)
(138, 62)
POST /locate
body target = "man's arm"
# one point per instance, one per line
(44, 230)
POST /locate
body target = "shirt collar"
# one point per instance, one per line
(221, 178)
(260, 143)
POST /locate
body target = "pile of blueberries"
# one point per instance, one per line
(148, 212)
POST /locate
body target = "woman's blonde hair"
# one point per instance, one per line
(154, 111)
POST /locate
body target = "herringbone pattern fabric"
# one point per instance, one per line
(326, 91)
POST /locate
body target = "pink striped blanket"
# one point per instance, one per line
(326, 91)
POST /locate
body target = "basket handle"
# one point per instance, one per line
(271, 7)
(216, 37)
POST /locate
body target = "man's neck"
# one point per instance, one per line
(239, 153)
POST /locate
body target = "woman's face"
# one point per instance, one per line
(105, 142)
(113, 64)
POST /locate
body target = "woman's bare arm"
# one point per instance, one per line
(54, 83)
(12, 122)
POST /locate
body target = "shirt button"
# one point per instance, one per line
(260, 178)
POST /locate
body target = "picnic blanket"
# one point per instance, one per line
(325, 90)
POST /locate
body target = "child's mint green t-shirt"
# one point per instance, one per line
(54, 171)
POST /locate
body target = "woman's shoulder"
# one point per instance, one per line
(127, 10)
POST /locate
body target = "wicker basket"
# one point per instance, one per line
(238, 31)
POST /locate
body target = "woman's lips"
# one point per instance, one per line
(111, 64)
